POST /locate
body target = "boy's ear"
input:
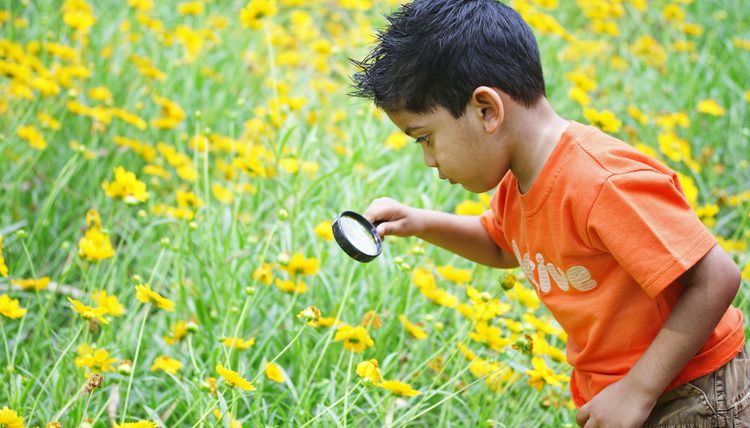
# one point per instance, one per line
(488, 104)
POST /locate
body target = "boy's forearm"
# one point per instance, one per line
(709, 290)
(465, 236)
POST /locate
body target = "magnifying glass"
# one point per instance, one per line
(357, 236)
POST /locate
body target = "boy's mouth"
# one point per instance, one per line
(443, 177)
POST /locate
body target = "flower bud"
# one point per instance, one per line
(125, 367)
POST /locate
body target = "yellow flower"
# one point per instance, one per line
(238, 342)
(311, 314)
(126, 187)
(416, 331)
(525, 296)
(32, 284)
(144, 293)
(10, 419)
(95, 246)
(233, 378)
(459, 276)
(3, 266)
(98, 360)
(541, 374)
(300, 287)
(399, 388)
(689, 187)
(423, 279)
(492, 336)
(190, 8)
(139, 424)
(88, 312)
(251, 15)
(33, 137)
(710, 107)
(669, 121)
(579, 95)
(48, 121)
(264, 273)
(189, 199)
(100, 93)
(369, 371)
(356, 339)
(371, 319)
(169, 365)
(324, 230)
(179, 330)
(110, 304)
(273, 372)
(542, 325)
(674, 147)
(469, 207)
(329, 322)
(299, 264)
(606, 120)
(746, 271)
(78, 15)
(172, 113)
(650, 51)
(396, 140)
(222, 194)
(638, 115)
(10, 308)
(467, 353)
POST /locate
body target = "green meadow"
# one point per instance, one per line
(169, 172)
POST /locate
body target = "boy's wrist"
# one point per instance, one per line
(420, 220)
(639, 385)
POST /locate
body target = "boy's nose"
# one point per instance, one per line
(428, 159)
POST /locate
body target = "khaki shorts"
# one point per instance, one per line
(719, 399)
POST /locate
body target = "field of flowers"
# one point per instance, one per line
(169, 172)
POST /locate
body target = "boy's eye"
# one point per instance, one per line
(424, 139)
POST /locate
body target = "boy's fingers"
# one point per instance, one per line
(582, 416)
(378, 210)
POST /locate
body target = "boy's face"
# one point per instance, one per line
(461, 150)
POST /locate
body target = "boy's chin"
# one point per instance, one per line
(475, 188)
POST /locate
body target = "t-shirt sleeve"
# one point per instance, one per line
(643, 219)
(492, 221)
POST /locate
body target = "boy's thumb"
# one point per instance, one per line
(381, 229)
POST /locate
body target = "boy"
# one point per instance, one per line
(602, 231)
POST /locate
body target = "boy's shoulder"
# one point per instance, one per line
(596, 153)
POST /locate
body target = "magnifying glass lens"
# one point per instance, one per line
(357, 236)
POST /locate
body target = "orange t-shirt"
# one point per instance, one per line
(603, 234)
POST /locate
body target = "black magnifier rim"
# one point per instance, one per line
(347, 246)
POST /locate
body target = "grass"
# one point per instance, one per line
(206, 264)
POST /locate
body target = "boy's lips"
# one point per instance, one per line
(442, 177)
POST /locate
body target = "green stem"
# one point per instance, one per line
(54, 368)
(346, 391)
(7, 353)
(294, 339)
(135, 363)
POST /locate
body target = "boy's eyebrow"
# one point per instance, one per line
(410, 129)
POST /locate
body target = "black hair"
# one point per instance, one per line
(436, 52)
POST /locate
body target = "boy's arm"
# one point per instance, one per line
(710, 286)
(462, 235)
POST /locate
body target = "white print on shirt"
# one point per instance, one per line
(577, 276)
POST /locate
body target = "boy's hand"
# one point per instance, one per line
(617, 405)
(395, 218)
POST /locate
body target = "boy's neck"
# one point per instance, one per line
(534, 133)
